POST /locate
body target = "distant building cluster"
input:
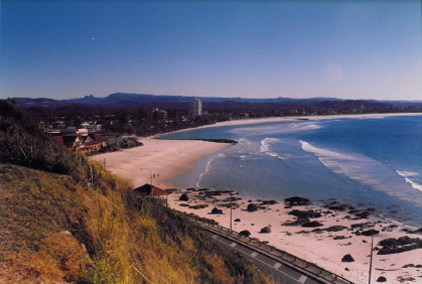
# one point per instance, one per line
(81, 142)
(195, 107)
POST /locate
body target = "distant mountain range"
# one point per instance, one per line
(136, 100)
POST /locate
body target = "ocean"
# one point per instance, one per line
(363, 161)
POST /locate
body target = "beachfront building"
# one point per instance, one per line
(81, 143)
(195, 107)
(151, 190)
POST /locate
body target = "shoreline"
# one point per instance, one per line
(288, 118)
(168, 159)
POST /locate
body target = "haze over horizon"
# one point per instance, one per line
(249, 49)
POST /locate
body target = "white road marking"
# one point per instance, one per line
(302, 279)
(233, 245)
(254, 254)
(277, 265)
(282, 272)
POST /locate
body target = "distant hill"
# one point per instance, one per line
(128, 100)
(123, 99)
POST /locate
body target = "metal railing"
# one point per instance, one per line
(301, 265)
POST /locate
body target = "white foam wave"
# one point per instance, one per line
(208, 168)
(276, 128)
(358, 169)
(265, 148)
(364, 170)
(272, 154)
(407, 174)
(310, 127)
(325, 154)
(265, 144)
(413, 183)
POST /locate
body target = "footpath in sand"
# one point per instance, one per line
(340, 232)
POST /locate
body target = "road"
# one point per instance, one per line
(280, 273)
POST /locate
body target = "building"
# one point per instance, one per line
(151, 190)
(81, 143)
(196, 107)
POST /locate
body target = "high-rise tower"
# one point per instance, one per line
(195, 107)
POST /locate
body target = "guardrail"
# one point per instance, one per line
(301, 265)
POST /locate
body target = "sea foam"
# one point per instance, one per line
(208, 168)
(406, 176)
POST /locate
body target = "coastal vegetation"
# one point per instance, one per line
(64, 218)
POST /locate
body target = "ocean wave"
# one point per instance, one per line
(279, 128)
(359, 169)
(246, 146)
(265, 148)
(365, 170)
(247, 157)
(413, 183)
(407, 174)
(324, 153)
(208, 168)
(266, 143)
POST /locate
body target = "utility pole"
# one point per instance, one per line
(150, 173)
(370, 262)
(231, 213)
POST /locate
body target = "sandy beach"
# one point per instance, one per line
(161, 159)
(166, 159)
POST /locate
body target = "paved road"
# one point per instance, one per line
(281, 273)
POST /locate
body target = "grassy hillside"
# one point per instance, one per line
(64, 219)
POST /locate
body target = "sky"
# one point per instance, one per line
(249, 49)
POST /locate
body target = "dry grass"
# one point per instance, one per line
(67, 229)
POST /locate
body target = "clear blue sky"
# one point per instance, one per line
(251, 49)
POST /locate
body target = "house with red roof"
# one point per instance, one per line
(81, 143)
(151, 190)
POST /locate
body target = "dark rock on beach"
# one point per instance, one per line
(252, 207)
(363, 225)
(217, 192)
(418, 231)
(215, 210)
(337, 238)
(296, 201)
(335, 228)
(370, 232)
(265, 230)
(392, 246)
(335, 205)
(245, 233)
(269, 202)
(382, 279)
(305, 214)
(347, 258)
(184, 197)
(312, 224)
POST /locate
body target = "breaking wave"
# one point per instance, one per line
(208, 168)
(407, 178)
(279, 128)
